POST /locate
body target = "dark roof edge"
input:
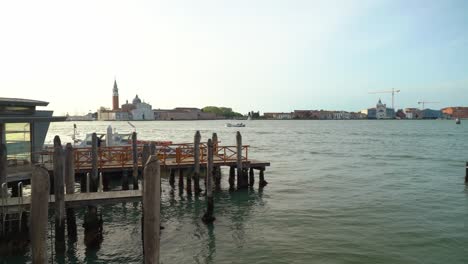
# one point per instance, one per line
(21, 102)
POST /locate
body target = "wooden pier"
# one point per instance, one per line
(53, 178)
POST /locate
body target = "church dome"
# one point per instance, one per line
(136, 100)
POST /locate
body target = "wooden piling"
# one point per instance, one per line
(39, 214)
(70, 189)
(181, 179)
(261, 178)
(151, 210)
(466, 174)
(172, 178)
(3, 168)
(59, 205)
(251, 177)
(208, 216)
(125, 180)
(135, 160)
(94, 163)
(145, 154)
(232, 175)
(196, 158)
(240, 178)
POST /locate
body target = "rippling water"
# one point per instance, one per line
(338, 192)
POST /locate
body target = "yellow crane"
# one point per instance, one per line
(426, 102)
(393, 91)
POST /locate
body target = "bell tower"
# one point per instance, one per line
(115, 97)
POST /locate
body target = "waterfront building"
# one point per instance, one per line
(183, 113)
(381, 111)
(23, 128)
(278, 115)
(142, 110)
(430, 114)
(456, 112)
(412, 113)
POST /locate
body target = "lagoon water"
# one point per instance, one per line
(338, 192)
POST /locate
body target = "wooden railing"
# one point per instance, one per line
(121, 156)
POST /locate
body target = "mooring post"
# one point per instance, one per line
(145, 154)
(151, 210)
(3, 168)
(232, 175)
(216, 169)
(261, 178)
(196, 158)
(70, 189)
(251, 177)
(240, 178)
(39, 214)
(208, 216)
(135, 160)
(59, 211)
(94, 163)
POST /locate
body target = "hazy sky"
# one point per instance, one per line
(266, 55)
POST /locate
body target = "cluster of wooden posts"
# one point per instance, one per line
(63, 181)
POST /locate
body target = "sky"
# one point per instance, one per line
(260, 55)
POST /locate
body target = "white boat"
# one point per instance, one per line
(457, 121)
(235, 125)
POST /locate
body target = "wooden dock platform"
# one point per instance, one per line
(17, 204)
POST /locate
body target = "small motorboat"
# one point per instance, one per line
(235, 125)
(457, 121)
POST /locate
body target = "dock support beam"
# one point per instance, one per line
(208, 216)
(3, 167)
(151, 210)
(125, 185)
(172, 178)
(94, 163)
(196, 157)
(181, 180)
(39, 214)
(59, 196)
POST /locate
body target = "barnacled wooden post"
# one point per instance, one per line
(151, 210)
(261, 178)
(196, 158)
(3, 168)
(94, 163)
(39, 214)
(70, 188)
(59, 160)
(466, 173)
(240, 178)
(208, 216)
(145, 154)
(181, 180)
(135, 160)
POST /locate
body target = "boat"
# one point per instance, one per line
(235, 125)
(457, 121)
(113, 138)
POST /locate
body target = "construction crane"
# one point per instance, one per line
(426, 102)
(393, 91)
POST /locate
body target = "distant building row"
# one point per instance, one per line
(138, 110)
